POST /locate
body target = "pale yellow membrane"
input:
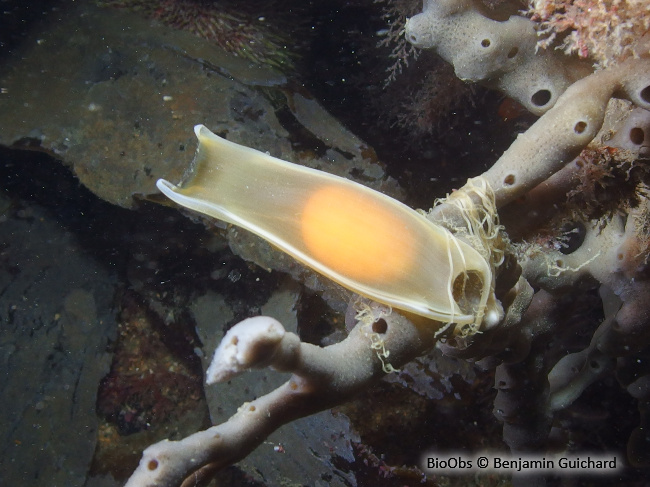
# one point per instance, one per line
(358, 237)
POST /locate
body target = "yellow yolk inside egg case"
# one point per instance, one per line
(355, 236)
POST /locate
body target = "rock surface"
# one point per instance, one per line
(57, 321)
(116, 96)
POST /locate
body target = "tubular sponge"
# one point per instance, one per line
(500, 55)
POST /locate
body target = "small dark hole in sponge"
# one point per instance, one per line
(541, 98)
(380, 326)
(645, 94)
(637, 136)
(580, 127)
